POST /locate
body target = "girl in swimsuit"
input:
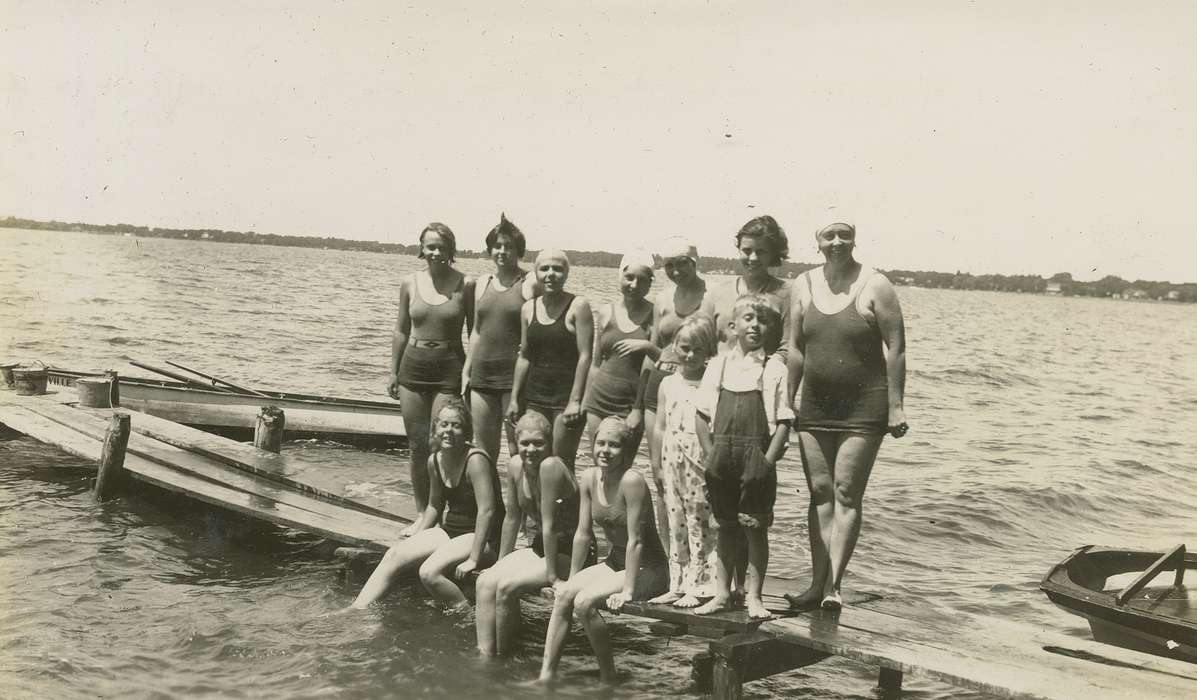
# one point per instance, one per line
(848, 353)
(495, 339)
(620, 348)
(458, 530)
(617, 499)
(541, 495)
(426, 348)
(556, 334)
(762, 244)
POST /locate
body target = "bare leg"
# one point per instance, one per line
(853, 464)
(729, 537)
(592, 424)
(405, 556)
(521, 572)
(442, 561)
(758, 563)
(817, 451)
(563, 610)
(485, 593)
(487, 408)
(595, 595)
(417, 419)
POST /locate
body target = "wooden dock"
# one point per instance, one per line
(985, 654)
(211, 469)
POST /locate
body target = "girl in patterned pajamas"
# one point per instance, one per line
(675, 454)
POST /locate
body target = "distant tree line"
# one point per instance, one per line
(1060, 283)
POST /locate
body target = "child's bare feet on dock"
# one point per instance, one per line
(665, 598)
(757, 609)
(687, 601)
(714, 605)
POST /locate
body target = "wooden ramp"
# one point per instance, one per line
(210, 469)
(994, 656)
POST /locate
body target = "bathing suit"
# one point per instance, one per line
(652, 578)
(613, 388)
(461, 505)
(844, 379)
(433, 358)
(552, 361)
(565, 517)
(492, 363)
(739, 480)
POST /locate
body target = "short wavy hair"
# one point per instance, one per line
(766, 228)
(699, 328)
(505, 227)
(445, 233)
(454, 403)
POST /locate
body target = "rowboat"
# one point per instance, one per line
(1159, 620)
(234, 413)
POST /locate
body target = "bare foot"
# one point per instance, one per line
(806, 600)
(408, 531)
(686, 601)
(757, 609)
(665, 598)
(714, 605)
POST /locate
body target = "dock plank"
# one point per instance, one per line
(293, 470)
(348, 527)
(994, 656)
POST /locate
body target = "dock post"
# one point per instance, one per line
(889, 683)
(114, 390)
(112, 456)
(749, 656)
(268, 434)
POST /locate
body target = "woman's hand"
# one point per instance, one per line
(393, 386)
(635, 420)
(572, 413)
(616, 601)
(464, 568)
(513, 411)
(631, 346)
(897, 422)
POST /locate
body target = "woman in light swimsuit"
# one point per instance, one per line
(426, 348)
(541, 495)
(495, 339)
(848, 353)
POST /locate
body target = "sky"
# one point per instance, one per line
(1002, 137)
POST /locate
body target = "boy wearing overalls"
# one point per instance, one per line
(743, 425)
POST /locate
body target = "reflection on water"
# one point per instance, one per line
(1037, 424)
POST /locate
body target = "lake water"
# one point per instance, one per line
(1038, 424)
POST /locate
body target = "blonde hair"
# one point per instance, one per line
(699, 329)
(533, 422)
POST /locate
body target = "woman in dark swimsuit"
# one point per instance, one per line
(495, 340)
(459, 530)
(848, 353)
(620, 347)
(557, 331)
(426, 348)
(541, 495)
(616, 499)
(762, 245)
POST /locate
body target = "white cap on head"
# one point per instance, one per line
(679, 247)
(636, 257)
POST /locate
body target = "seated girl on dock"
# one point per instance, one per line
(618, 500)
(676, 455)
(458, 531)
(540, 489)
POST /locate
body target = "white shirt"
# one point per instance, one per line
(742, 372)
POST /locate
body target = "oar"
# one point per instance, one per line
(218, 380)
(178, 377)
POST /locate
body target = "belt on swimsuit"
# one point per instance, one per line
(668, 366)
(431, 344)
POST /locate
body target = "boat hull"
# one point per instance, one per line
(1160, 620)
(235, 415)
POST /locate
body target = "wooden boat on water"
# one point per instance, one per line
(1159, 620)
(233, 413)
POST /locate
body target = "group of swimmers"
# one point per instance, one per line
(711, 375)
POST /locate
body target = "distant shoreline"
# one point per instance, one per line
(1060, 284)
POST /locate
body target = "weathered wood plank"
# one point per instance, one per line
(1006, 659)
(305, 475)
